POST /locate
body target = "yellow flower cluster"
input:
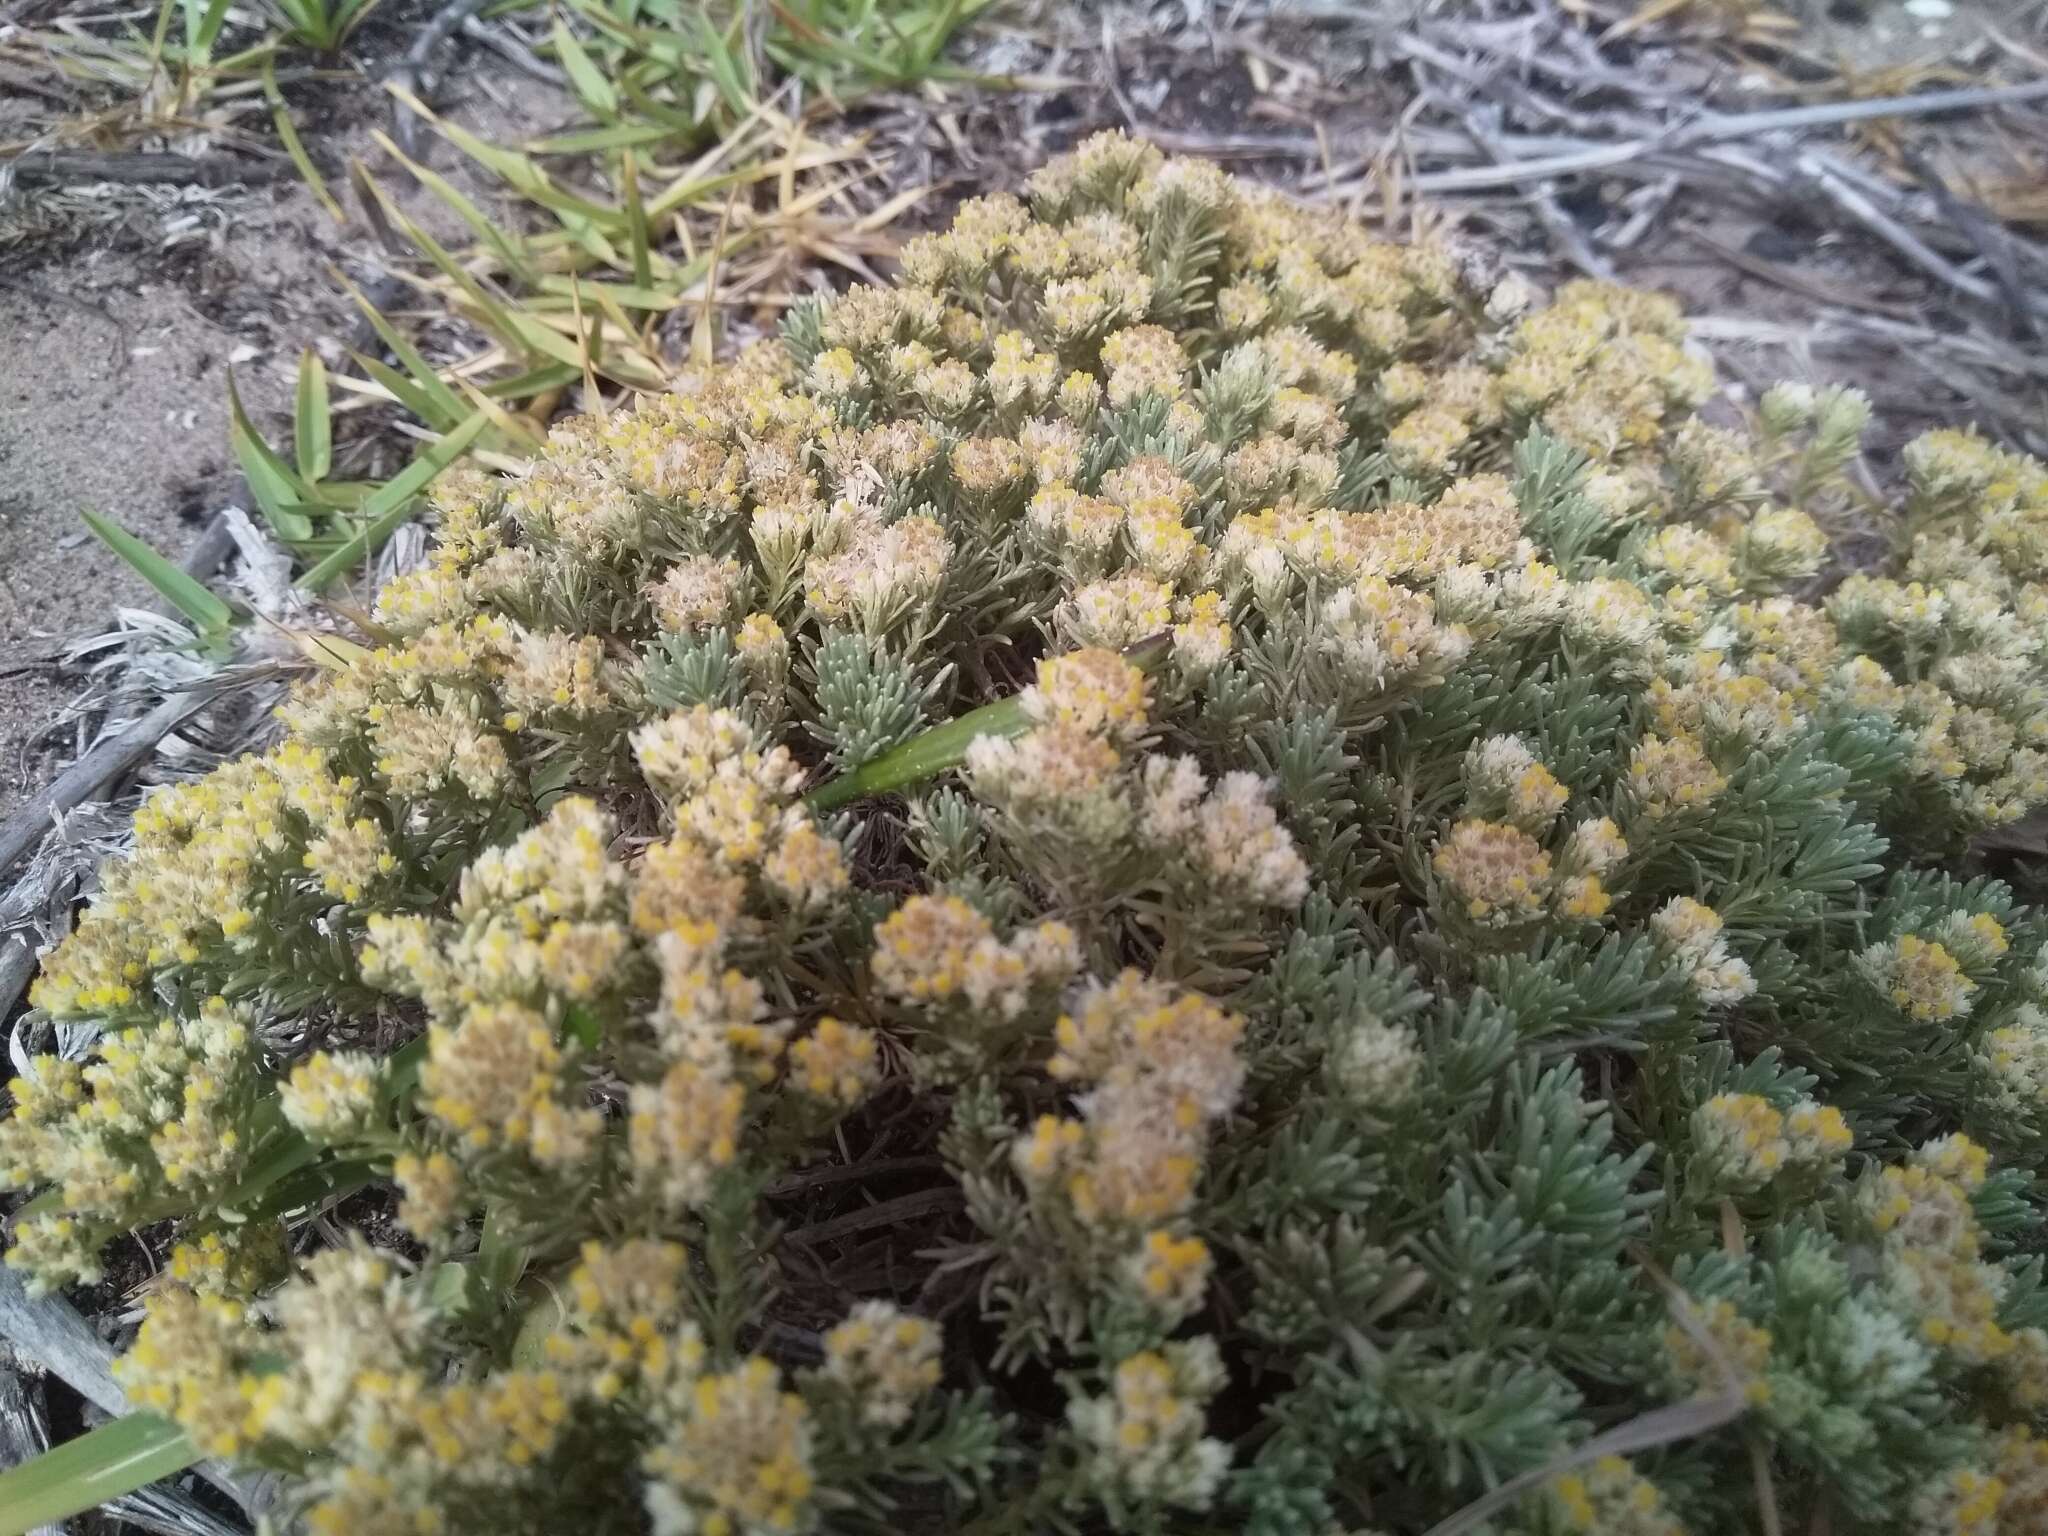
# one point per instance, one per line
(161, 1108)
(886, 1360)
(1492, 864)
(1743, 1142)
(1932, 1255)
(1161, 1067)
(1145, 1436)
(1690, 934)
(1611, 1498)
(1227, 833)
(1361, 607)
(1919, 977)
(628, 1325)
(332, 1097)
(1499, 874)
(837, 1063)
(207, 857)
(1714, 1345)
(2014, 1060)
(937, 953)
(1170, 1274)
(738, 1459)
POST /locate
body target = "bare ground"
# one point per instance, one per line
(121, 319)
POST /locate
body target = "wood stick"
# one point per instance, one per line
(17, 970)
(106, 762)
(23, 1434)
(513, 52)
(1716, 130)
(1901, 239)
(1794, 282)
(50, 1331)
(141, 168)
(412, 72)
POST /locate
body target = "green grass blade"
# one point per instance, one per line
(524, 176)
(922, 757)
(945, 745)
(724, 67)
(203, 26)
(686, 127)
(288, 135)
(82, 1474)
(595, 91)
(543, 340)
(509, 249)
(184, 593)
(636, 219)
(535, 381)
(312, 427)
(276, 489)
(409, 394)
(160, 37)
(660, 300)
(490, 312)
(385, 511)
(304, 17)
(592, 140)
(423, 373)
(515, 434)
(350, 15)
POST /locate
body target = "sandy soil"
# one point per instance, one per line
(115, 349)
(111, 398)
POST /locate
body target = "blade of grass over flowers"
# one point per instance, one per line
(314, 1183)
(278, 492)
(188, 596)
(944, 746)
(101, 1464)
(389, 507)
(544, 1316)
(283, 1154)
(922, 757)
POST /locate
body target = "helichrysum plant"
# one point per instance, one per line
(1439, 976)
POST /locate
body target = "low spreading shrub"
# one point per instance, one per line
(1432, 962)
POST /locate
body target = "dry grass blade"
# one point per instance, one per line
(1699, 1415)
